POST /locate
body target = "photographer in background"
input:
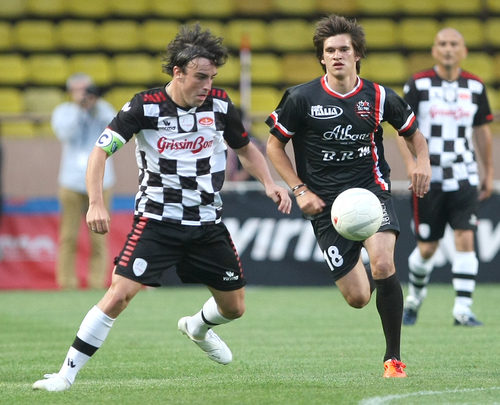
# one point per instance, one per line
(77, 124)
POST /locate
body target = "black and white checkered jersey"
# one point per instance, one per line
(181, 154)
(446, 112)
(338, 138)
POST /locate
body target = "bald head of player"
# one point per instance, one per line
(449, 51)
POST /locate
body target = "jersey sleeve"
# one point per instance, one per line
(284, 121)
(411, 95)
(122, 127)
(483, 114)
(234, 131)
(399, 114)
(129, 119)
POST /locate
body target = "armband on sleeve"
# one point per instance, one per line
(110, 141)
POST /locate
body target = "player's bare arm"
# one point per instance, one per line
(255, 163)
(406, 155)
(307, 201)
(482, 135)
(421, 174)
(97, 215)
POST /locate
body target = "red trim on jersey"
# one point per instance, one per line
(132, 241)
(219, 93)
(375, 167)
(408, 125)
(357, 88)
(425, 73)
(156, 97)
(377, 104)
(469, 75)
(278, 126)
(416, 220)
(432, 73)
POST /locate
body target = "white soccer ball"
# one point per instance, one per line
(356, 214)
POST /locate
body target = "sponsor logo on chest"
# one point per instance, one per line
(193, 144)
(192, 132)
(325, 112)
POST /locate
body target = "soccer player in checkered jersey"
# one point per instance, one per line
(334, 123)
(452, 109)
(181, 131)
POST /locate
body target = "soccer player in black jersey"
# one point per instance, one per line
(453, 110)
(334, 124)
(181, 131)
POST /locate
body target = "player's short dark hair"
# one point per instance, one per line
(192, 42)
(335, 25)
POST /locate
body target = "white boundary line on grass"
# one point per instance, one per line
(388, 398)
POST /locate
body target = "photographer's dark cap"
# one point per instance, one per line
(92, 89)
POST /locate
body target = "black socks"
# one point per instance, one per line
(390, 308)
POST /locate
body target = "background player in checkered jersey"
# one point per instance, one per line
(453, 111)
(334, 124)
(181, 131)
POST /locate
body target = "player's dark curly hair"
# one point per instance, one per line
(335, 25)
(192, 42)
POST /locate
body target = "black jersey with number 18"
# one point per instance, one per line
(337, 138)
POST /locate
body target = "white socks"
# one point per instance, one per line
(420, 273)
(96, 325)
(93, 331)
(201, 322)
(464, 268)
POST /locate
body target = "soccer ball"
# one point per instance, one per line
(356, 214)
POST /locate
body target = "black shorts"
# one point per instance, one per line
(201, 254)
(438, 208)
(342, 254)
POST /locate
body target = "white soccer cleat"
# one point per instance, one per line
(52, 382)
(212, 345)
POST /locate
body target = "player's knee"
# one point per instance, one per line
(382, 268)
(358, 300)
(115, 301)
(233, 311)
(427, 252)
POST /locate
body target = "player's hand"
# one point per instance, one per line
(420, 179)
(281, 197)
(310, 203)
(486, 188)
(98, 219)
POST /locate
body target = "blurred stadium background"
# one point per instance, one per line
(119, 42)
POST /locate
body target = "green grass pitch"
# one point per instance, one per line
(292, 346)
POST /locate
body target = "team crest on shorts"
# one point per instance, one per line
(139, 266)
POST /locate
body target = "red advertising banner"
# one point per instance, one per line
(29, 251)
(29, 248)
(275, 249)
